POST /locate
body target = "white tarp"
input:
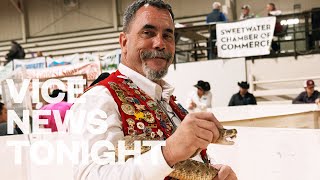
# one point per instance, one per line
(6, 70)
(251, 37)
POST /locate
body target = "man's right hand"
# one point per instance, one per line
(192, 105)
(196, 131)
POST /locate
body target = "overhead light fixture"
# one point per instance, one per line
(290, 21)
(178, 25)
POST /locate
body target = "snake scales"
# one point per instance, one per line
(188, 169)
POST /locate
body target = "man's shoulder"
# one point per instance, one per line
(211, 13)
(235, 95)
(303, 93)
(316, 92)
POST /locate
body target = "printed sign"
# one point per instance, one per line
(250, 37)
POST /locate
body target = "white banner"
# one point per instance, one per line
(66, 60)
(35, 63)
(111, 60)
(250, 37)
(91, 69)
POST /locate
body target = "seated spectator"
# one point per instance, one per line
(246, 12)
(200, 99)
(243, 97)
(309, 95)
(3, 121)
(16, 52)
(62, 106)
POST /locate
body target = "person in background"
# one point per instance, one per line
(272, 10)
(278, 29)
(243, 97)
(62, 107)
(200, 99)
(3, 121)
(246, 12)
(309, 95)
(16, 52)
(216, 15)
(39, 54)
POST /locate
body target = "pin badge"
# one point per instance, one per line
(140, 125)
(160, 133)
(128, 109)
(148, 117)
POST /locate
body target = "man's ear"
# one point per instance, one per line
(123, 42)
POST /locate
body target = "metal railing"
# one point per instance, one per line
(195, 43)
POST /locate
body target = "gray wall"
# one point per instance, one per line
(185, 8)
(51, 17)
(10, 21)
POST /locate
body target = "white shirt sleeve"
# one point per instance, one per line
(189, 100)
(209, 100)
(100, 98)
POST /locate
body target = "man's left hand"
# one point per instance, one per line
(225, 172)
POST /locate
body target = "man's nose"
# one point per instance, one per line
(159, 43)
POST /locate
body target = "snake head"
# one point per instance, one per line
(226, 136)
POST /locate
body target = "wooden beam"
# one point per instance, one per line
(15, 4)
(115, 14)
(24, 22)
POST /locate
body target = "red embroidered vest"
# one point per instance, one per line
(139, 112)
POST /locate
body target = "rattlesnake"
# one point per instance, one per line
(188, 169)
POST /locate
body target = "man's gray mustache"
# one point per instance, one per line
(156, 54)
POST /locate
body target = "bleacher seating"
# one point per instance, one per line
(98, 41)
(101, 40)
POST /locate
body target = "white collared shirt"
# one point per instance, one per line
(99, 97)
